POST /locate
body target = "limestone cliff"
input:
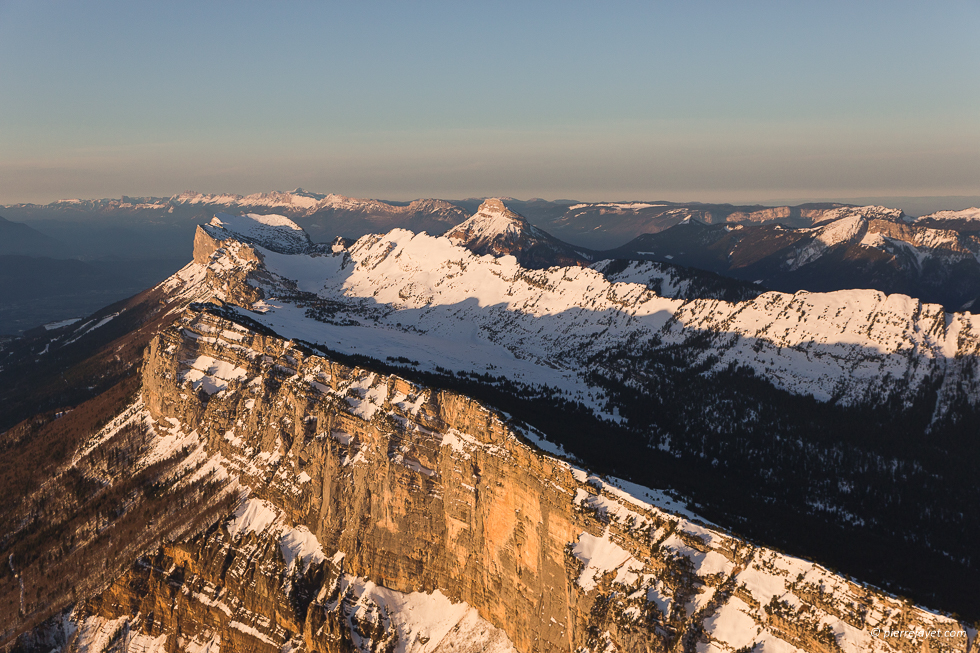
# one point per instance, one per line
(375, 514)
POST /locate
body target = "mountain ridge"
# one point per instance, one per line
(293, 564)
(860, 247)
(352, 469)
(22, 239)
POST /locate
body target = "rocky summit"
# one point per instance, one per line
(402, 444)
(498, 231)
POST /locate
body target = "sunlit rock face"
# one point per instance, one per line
(377, 514)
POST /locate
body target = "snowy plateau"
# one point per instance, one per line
(399, 292)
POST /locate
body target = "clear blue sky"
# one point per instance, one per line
(672, 100)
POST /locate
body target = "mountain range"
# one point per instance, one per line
(416, 442)
(935, 257)
(932, 257)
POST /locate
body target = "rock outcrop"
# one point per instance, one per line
(380, 515)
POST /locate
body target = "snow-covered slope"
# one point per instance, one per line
(966, 214)
(315, 208)
(840, 231)
(677, 282)
(233, 391)
(388, 294)
(275, 232)
(367, 513)
(870, 212)
(492, 220)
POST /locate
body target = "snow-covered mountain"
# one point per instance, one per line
(972, 213)
(273, 232)
(295, 203)
(496, 230)
(260, 496)
(856, 247)
(603, 225)
(166, 219)
(353, 444)
(686, 375)
(677, 282)
(598, 225)
(844, 346)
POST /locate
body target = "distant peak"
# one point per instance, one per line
(972, 213)
(492, 220)
(870, 212)
(498, 231)
(493, 205)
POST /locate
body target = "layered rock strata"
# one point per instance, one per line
(379, 515)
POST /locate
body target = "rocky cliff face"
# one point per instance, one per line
(380, 515)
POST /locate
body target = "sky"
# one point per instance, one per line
(683, 101)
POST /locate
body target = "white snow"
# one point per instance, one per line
(95, 633)
(600, 556)
(466, 313)
(403, 292)
(424, 623)
(972, 213)
(732, 624)
(840, 231)
(621, 206)
(252, 516)
(491, 220)
(211, 374)
(275, 232)
(204, 642)
(707, 563)
(300, 546)
(367, 398)
(249, 630)
(873, 239)
(761, 584)
(50, 326)
(88, 327)
(142, 643)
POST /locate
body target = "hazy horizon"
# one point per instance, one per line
(912, 205)
(709, 101)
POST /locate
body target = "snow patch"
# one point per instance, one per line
(252, 516)
(300, 547)
(600, 556)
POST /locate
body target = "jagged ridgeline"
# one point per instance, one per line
(399, 444)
